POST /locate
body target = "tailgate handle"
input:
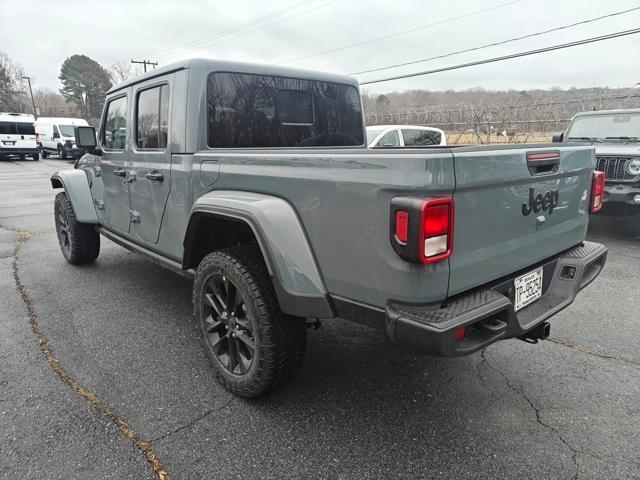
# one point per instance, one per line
(543, 163)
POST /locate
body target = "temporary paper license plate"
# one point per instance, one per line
(528, 288)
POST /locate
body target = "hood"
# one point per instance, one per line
(617, 148)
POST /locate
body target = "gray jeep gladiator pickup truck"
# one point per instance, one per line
(615, 134)
(254, 181)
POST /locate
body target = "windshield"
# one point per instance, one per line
(603, 126)
(372, 133)
(66, 130)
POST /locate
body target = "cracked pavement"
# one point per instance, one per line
(360, 408)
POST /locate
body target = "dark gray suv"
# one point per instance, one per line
(615, 134)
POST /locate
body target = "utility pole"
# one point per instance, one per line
(145, 63)
(33, 103)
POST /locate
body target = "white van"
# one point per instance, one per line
(18, 136)
(57, 136)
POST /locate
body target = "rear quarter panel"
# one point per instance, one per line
(343, 201)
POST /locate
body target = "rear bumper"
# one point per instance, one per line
(488, 314)
(18, 151)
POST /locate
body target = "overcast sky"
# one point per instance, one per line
(42, 34)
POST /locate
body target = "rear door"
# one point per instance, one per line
(114, 165)
(515, 207)
(26, 135)
(150, 157)
(8, 134)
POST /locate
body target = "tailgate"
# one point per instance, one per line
(496, 231)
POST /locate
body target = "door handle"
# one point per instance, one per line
(119, 172)
(156, 176)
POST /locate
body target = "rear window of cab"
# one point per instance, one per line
(247, 110)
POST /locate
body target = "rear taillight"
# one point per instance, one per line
(597, 191)
(422, 229)
(436, 234)
(37, 137)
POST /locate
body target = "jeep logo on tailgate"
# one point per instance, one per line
(538, 202)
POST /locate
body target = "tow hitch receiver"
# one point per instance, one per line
(541, 332)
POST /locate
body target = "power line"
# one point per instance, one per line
(508, 57)
(231, 30)
(242, 34)
(403, 32)
(496, 43)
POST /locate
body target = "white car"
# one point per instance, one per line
(389, 136)
(18, 136)
(57, 136)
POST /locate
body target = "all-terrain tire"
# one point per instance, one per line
(79, 242)
(279, 340)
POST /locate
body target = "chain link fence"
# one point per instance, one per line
(521, 122)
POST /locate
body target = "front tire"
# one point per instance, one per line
(62, 154)
(251, 345)
(79, 242)
(36, 157)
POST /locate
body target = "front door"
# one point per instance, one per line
(114, 165)
(150, 158)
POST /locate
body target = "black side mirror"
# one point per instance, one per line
(558, 137)
(86, 138)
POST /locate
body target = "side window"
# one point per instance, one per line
(418, 138)
(152, 123)
(391, 139)
(114, 133)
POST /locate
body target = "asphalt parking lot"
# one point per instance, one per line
(102, 376)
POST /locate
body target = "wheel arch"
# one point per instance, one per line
(76, 186)
(225, 218)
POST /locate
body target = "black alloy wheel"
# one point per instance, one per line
(251, 345)
(79, 242)
(62, 229)
(228, 326)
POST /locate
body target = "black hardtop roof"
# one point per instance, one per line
(239, 67)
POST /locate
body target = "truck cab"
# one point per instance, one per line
(615, 134)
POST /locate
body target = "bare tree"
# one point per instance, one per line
(123, 71)
(53, 104)
(480, 116)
